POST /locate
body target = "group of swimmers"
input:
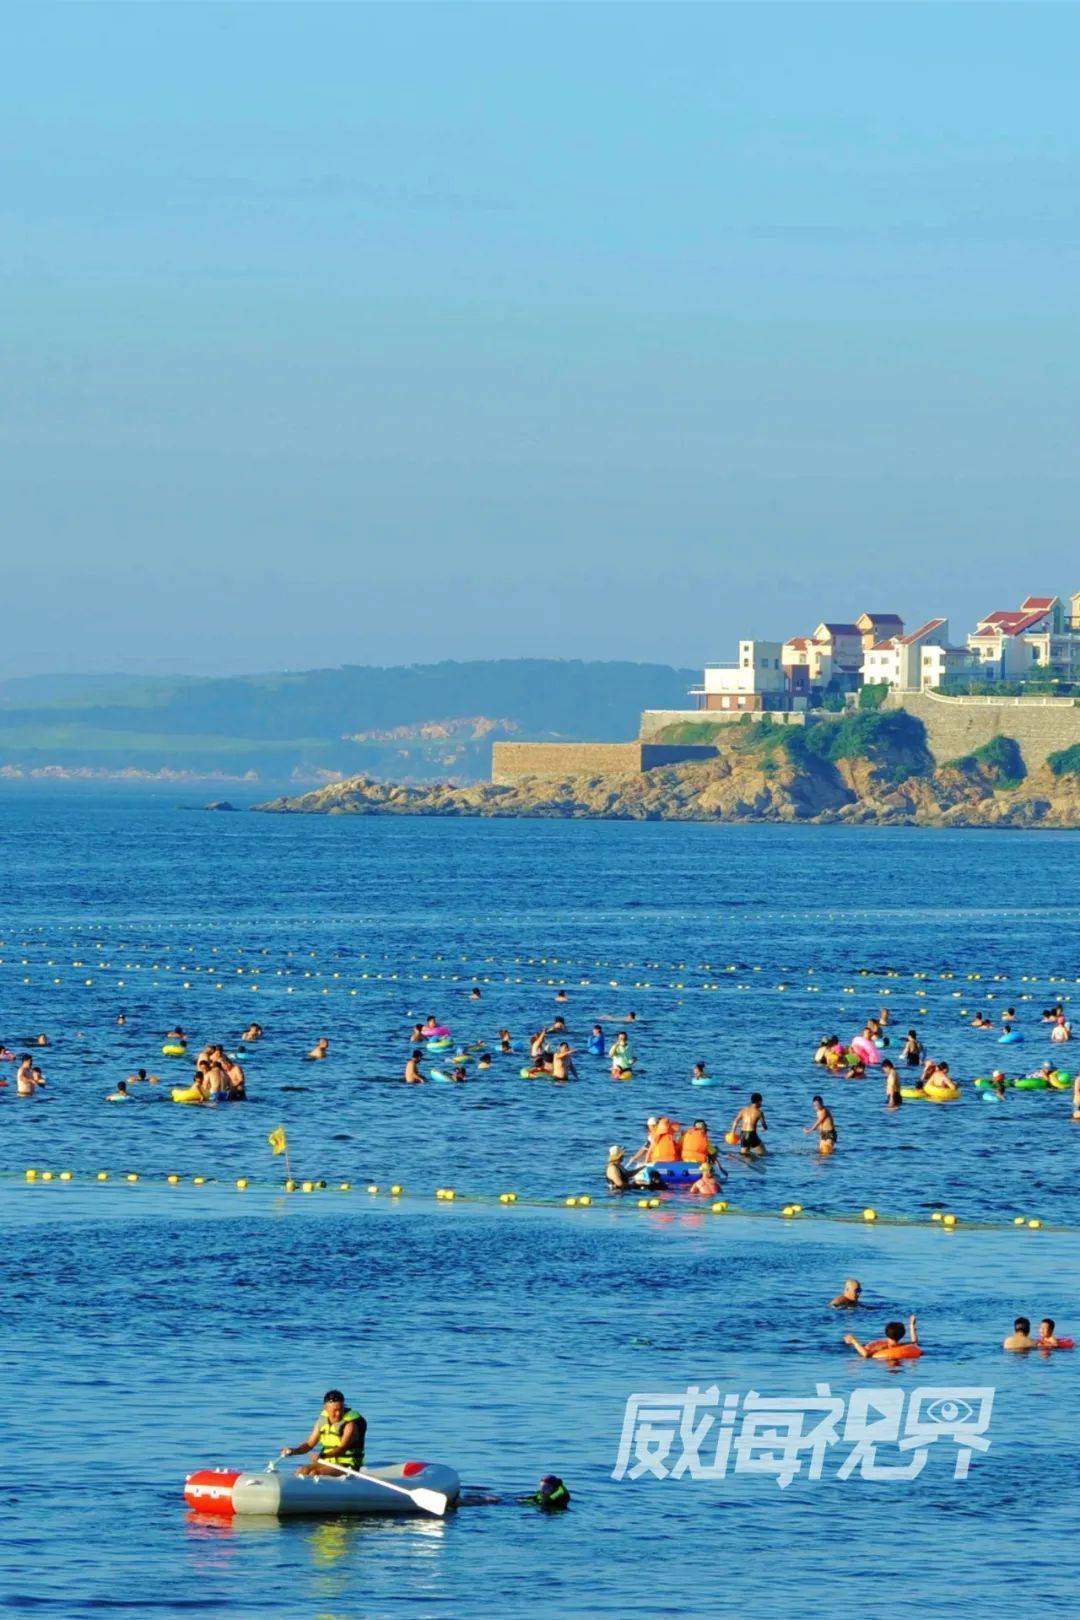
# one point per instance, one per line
(901, 1343)
(551, 1055)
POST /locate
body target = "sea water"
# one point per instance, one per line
(151, 1329)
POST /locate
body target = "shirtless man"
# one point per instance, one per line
(141, 1078)
(237, 1080)
(28, 1080)
(848, 1300)
(562, 1064)
(321, 1048)
(1020, 1337)
(747, 1125)
(413, 1077)
(825, 1126)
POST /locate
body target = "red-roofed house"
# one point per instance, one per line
(910, 663)
(1015, 643)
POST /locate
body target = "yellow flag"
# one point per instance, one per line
(277, 1140)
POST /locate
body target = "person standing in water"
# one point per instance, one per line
(747, 1125)
(825, 1126)
(893, 1098)
(413, 1077)
(562, 1064)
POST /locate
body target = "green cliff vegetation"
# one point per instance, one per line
(1066, 762)
(1000, 759)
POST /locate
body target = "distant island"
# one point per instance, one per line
(863, 768)
(416, 723)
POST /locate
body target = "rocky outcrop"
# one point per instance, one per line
(751, 779)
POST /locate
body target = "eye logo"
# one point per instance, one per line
(947, 1411)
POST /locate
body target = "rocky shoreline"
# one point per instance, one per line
(746, 782)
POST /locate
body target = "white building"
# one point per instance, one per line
(757, 681)
(910, 663)
(1036, 638)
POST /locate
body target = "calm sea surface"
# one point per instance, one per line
(150, 1329)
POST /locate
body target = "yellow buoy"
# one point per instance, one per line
(46, 1175)
(172, 1180)
(373, 1188)
(132, 1176)
(1035, 1225)
(936, 1216)
(585, 1199)
(241, 1182)
(571, 1203)
(1019, 1220)
(307, 1186)
(396, 1191)
(31, 1175)
(290, 1186)
(654, 1203)
(345, 1186)
(65, 1175)
(869, 1214)
(199, 1181)
(719, 1208)
(103, 1175)
(643, 1203)
(948, 1220)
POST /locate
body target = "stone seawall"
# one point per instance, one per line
(957, 726)
(655, 722)
(512, 762)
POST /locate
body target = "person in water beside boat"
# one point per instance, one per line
(339, 1435)
(893, 1346)
(551, 1496)
(616, 1174)
(707, 1184)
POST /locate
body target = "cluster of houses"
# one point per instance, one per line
(1040, 638)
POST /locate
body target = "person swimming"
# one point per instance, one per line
(892, 1347)
(121, 1093)
(848, 1299)
(321, 1049)
(615, 1174)
(706, 1186)
(893, 1099)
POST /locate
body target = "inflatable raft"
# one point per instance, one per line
(674, 1172)
(227, 1493)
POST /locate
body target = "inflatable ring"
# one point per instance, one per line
(1013, 1038)
(912, 1093)
(187, 1094)
(173, 1049)
(1032, 1082)
(940, 1094)
(1060, 1081)
(705, 1080)
(992, 1096)
(439, 1043)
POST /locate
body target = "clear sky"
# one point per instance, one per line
(382, 334)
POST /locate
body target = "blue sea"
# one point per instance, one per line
(152, 1328)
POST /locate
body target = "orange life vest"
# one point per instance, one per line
(695, 1145)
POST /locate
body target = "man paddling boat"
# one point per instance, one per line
(339, 1434)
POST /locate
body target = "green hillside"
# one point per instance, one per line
(412, 722)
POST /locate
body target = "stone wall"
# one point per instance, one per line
(957, 726)
(512, 761)
(655, 721)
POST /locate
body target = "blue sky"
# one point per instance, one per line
(380, 334)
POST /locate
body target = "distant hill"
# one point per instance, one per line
(412, 722)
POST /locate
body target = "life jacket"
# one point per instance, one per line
(663, 1148)
(695, 1145)
(553, 1500)
(330, 1435)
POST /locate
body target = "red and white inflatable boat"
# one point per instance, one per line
(410, 1487)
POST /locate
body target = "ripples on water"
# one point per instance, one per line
(183, 1326)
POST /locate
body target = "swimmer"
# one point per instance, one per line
(474, 994)
(562, 1064)
(699, 1072)
(28, 1080)
(1076, 1095)
(597, 1044)
(893, 1099)
(505, 1044)
(1047, 1338)
(176, 1037)
(894, 1334)
(120, 1094)
(416, 1034)
(912, 1050)
(824, 1124)
(321, 1049)
(557, 1025)
(252, 1033)
(552, 1495)
(121, 1018)
(1062, 1030)
(413, 1077)
(237, 1080)
(615, 1174)
(538, 1045)
(997, 1082)
(431, 1025)
(884, 1017)
(747, 1125)
(43, 1040)
(979, 1022)
(458, 1075)
(561, 995)
(1020, 1337)
(827, 1049)
(848, 1299)
(141, 1078)
(706, 1186)
(621, 1055)
(483, 1061)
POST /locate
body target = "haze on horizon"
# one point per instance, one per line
(389, 334)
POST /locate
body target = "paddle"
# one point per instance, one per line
(427, 1501)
